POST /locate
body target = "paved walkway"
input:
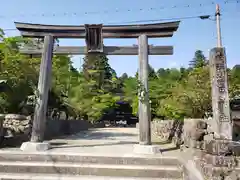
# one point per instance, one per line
(105, 141)
(102, 140)
(110, 141)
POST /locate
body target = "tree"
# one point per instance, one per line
(96, 67)
(234, 82)
(97, 87)
(21, 74)
(130, 90)
(151, 72)
(199, 60)
(124, 76)
(92, 92)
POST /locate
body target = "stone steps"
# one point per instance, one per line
(17, 176)
(80, 165)
(89, 158)
(91, 169)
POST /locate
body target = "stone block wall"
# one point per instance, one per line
(162, 129)
(167, 130)
(18, 127)
(190, 131)
(194, 131)
(16, 124)
(215, 159)
(187, 132)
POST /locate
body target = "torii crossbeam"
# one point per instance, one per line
(108, 50)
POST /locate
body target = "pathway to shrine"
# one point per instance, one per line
(98, 141)
(102, 141)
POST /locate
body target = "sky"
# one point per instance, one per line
(193, 34)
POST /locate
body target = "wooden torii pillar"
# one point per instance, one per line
(94, 34)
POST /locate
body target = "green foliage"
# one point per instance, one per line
(95, 93)
(90, 93)
(130, 89)
(234, 85)
(21, 75)
(179, 93)
(199, 60)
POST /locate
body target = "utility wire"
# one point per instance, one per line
(142, 21)
(150, 20)
(166, 19)
(160, 20)
(65, 14)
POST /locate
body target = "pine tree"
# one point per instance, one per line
(96, 90)
(96, 68)
(124, 76)
(151, 72)
(199, 60)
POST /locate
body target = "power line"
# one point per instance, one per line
(165, 19)
(124, 10)
(149, 20)
(158, 20)
(142, 21)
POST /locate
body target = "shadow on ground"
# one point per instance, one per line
(166, 146)
(98, 135)
(112, 134)
(66, 145)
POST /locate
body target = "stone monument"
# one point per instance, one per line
(220, 99)
(219, 157)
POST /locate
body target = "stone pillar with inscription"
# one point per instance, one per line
(220, 100)
(219, 157)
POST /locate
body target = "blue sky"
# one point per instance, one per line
(193, 34)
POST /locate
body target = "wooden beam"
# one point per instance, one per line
(108, 50)
(164, 25)
(144, 105)
(82, 35)
(116, 31)
(39, 121)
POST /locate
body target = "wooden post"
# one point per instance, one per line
(144, 108)
(222, 124)
(43, 89)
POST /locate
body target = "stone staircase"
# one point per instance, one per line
(17, 165)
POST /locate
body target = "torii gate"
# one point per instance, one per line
(94, 34)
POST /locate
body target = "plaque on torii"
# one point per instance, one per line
(94, 38)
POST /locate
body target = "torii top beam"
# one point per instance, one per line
(117, 31)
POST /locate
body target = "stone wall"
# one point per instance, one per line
(167, 130)
(16, 124)
(214, 159)
(19, 127)
(194, 131)
(190, 131)
(178, 132)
